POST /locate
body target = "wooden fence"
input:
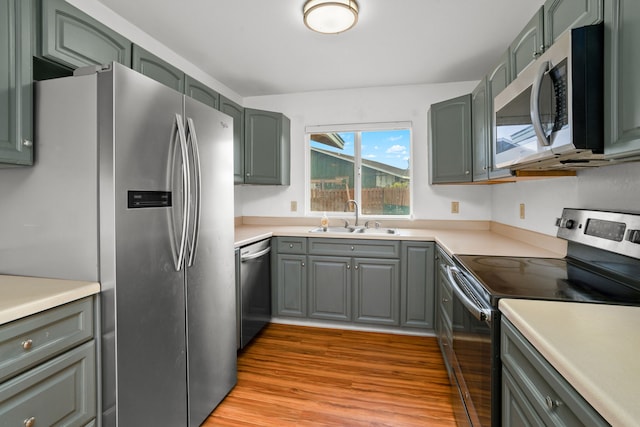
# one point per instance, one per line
(375, 201)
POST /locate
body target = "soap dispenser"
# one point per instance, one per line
(324, 222)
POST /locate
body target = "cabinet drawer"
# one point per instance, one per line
(361, 247)
(551, 396)
(292, 245)
(26, 342)
(58, 392)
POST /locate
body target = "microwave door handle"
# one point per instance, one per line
(535, 105)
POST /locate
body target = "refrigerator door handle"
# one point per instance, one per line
(178, 129)
(196, 188)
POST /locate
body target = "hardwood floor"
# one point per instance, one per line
(301, 376)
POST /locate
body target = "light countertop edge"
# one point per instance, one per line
(595, 350)
(468, 242)
(22, 296)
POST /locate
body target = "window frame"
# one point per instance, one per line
(356, 128)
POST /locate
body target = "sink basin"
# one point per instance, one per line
(333, 230)
(377, 231)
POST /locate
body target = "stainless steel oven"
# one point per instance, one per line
(602, 266)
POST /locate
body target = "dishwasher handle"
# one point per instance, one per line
(249, 256)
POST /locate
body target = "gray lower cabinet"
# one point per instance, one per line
(417, 284)
(528, 45)
(534, 392)
(48, 367)
(561, 15)
(234, 110)
(376, 286)
(201, 92)
(291, 283)
(622, 85)
(444, 310)
(450, 157)
(267, 142)
(72, 38)
(330, 287)
(16, 74)
(156, 68)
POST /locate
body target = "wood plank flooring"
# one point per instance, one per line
(302, 376)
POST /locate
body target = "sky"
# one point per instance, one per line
(392, 147)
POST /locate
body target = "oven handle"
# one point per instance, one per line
(480, 313)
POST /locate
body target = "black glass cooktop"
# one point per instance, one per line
(547, 278)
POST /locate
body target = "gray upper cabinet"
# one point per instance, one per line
(450, 141)
(480, 131)
(234, 110)
(201, 92)
(622, 79)
(417, 284)
(497, 80)
(528, 45)
(267, 147)
(561, 15)
(74, 39)
(16, 74)
(154, 67)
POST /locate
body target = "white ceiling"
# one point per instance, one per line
(262, 47)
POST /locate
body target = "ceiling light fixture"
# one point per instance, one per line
(330, 16)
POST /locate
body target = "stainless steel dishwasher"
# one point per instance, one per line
(254, 293)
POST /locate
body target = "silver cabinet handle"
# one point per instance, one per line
(30, 422)
(348, 267)
(27, 344)
(291, 245)
(551, 403)
(27, 143)
(353, 248)
(303, 264)
(356, 267)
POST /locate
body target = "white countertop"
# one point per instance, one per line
(595, 347)
(23, 296)
(468, 242)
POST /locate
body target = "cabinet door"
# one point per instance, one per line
(528, 45)
(330, 288)
(622, 85)
(450, 141)
(516, 410)
(377, 291)
(72, 38)
(498, 79)
(480, 131)
(291, 285)
(234, 110)
(16, 75)
(417, 285)
(152, 66)
(561, 15)
(266, 149)
(201, 92)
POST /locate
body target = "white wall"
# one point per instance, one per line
(369, 105)
(614, 187)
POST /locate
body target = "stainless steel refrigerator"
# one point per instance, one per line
(133, 186)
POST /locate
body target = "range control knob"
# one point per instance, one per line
(564, 223)
(634, 236)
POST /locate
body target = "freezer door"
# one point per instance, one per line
(211, 326)
(145, 347)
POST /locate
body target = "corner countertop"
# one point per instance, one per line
(453, 241)
(22, 296)
(593, 346)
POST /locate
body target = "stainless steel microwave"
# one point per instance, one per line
(552, 114)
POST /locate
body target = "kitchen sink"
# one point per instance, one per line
(355, 230)
(334, 230)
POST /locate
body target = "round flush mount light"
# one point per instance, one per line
(330, 16)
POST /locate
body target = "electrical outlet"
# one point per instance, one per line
(521, 210)
(294, 206)
(455, 207)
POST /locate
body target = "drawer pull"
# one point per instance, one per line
(353, 248)
(291, 245)
(26, 345)
(552, 404)
(30, 422)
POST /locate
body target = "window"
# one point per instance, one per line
(370, 164)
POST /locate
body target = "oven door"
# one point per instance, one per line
(476, 356)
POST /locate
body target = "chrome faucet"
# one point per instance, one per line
(355, 204)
